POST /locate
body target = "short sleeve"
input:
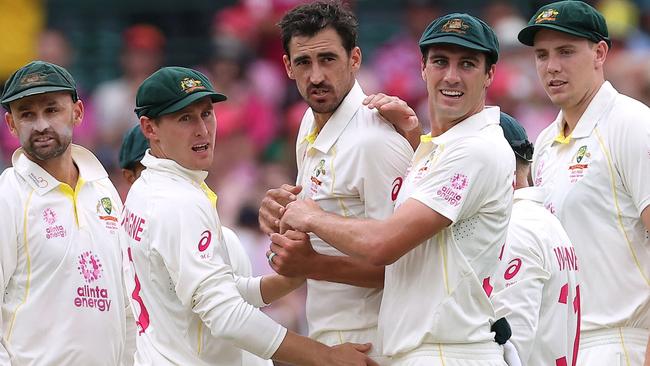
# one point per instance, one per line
(459, 180)
(383, 160)
(631, 154)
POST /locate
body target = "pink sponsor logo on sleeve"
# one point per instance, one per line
(451, 193)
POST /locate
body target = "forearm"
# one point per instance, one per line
(354, 237)
(347, 270)
(275, 286)
(298, 350)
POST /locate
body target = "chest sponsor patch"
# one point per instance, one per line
(52, 230)
(91, 270)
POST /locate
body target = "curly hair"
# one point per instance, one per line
(309, 19)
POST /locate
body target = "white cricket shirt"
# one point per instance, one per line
(61, 289)
(182, 287)
(597, 182)
(536, 284)
(434, 293)
(349, 168)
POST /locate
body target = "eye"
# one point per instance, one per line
(301, 62)
(26, 115)
(206, 113)
(51, 110)
(566, 52)
(439, 62)
(184, 118)
(467, 64)
(541, 56)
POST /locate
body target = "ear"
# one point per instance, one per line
(148, 128)
(355, 58)
(490, 75)
(9, 120)
(601, 50)
(287, 66)
(129, 176)
(77, 113)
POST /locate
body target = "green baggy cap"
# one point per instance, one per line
(516, 136)
(572, 17)
(463, 30)
(171, 89)
(134, 145)
(37, 77)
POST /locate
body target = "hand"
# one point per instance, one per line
(350, 354)
(273, 206)
(294, 254)
(297, 215)
(394, 110)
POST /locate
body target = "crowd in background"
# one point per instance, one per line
(258, 123)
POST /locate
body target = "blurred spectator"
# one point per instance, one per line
(142, 54)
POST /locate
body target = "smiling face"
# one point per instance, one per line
(456, 81)
(44, 123)
(570, 68)
(186, 136)
(324, 72)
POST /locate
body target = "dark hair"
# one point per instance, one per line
(309, 19)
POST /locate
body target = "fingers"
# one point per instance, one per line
(296, 235)
(378, 100)
(291, 189)
(365, 348)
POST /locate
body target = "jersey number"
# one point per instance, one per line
(143, 318)
(564, 297)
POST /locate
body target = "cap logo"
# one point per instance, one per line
(189, 85)
(32, 78)
(455, 26)
(547, 15)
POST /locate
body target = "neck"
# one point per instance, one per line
(62, 168)
(571, 115)
(321, 119)
(521, 176)
(441, 125)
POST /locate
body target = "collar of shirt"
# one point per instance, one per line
(534, 194)
(587, 122)
(171, 167)
(468, 126)
(90, 169)
(339, 120)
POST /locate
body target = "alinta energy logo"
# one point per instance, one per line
(90, 268)
(52, 230)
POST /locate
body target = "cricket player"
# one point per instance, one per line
(536, 283)
(451, 213)
(350, 161)
(61, 280)
(594, 164)
(134, 146)
(185, 298)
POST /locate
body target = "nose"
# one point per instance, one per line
(451, 76)
(40, 124)
(553, 65)
(316, 76)
(202, 128)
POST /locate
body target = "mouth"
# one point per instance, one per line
(449, 93)
(556, 83)
(200, 147)
(42, 140)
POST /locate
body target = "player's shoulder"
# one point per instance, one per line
(628, 115)
(12, 185)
